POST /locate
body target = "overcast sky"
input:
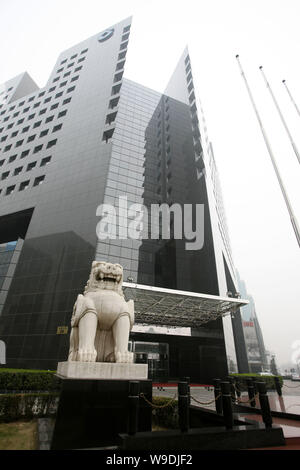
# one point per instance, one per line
(262, 32)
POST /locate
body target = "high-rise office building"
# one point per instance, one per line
(87, 138)
(256, 351)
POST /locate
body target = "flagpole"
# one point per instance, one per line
(287, 202)
(290, 95)
(281, 115)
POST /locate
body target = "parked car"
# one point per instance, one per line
(295, 377)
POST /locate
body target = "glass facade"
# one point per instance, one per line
(153, 162)
(157, 160)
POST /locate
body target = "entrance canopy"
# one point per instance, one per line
(168, 307)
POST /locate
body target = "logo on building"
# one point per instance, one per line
(106, 35)
(2, 352)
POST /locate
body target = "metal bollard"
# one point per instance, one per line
(237, 387)
(254, 385)
(264, 404)
(217, 392)
(278, 386)
(133, 407)
(232, 389)
(251, 392)
(188, 380)
(227, 404)
(183, 407)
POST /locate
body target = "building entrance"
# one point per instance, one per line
(156, 355)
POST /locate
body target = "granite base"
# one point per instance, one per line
(102, 370)
(92, 413)
(220, 438)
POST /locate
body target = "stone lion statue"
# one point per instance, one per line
(102, 319)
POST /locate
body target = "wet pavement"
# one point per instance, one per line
(288, 403)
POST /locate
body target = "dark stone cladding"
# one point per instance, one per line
(85, 404)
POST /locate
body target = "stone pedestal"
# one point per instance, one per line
(93, 412)
(102, 370)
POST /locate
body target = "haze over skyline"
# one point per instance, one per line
(264, 32)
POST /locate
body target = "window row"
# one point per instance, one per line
(21, 103)
(126, 29)
(36, 105)
(36, 125)
(22, 186)
(25, 153)
(111, 116)
(6, 91)
(31, 166)
(67, 74)
(73, 56)
(7, 95)
(40, 113)
(32, 137)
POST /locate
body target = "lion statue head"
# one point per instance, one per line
(105, 275)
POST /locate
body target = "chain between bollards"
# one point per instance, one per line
(207, 402)
(252, 400)
(172, 400)
(288, 386)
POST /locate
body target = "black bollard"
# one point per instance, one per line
(237, 387)
(133, 407)
(278, 386)
(232, 389)
(227, 404)
(264, 404)
(217, 392)
(188, 380)
(254, 385)
(183, 407)
(251, 392)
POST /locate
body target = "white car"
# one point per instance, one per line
(295, 377)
